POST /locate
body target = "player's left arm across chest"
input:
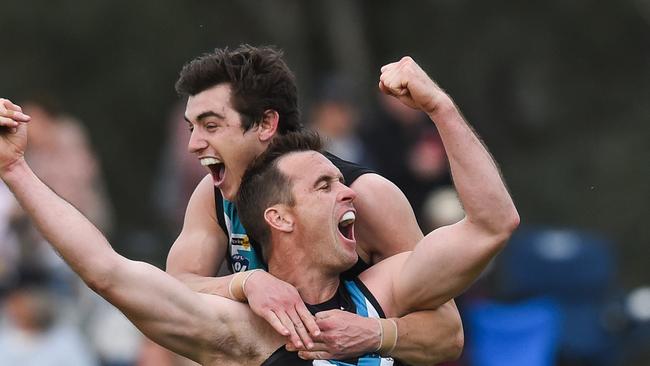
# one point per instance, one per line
(386, 226)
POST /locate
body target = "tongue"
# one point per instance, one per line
(221, 171)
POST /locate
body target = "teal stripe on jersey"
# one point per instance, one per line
(362, 362)
(357, 297)
(360, 302)
(242, 253)
(367, 361)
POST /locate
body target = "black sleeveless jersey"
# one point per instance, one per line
(244, 253)
(353, 296)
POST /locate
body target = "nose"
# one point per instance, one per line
(346, 194)
(197, 142)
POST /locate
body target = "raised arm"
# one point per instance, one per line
(161, 307)
(450, 258)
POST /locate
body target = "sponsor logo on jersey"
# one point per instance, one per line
(240, 241)
(240, 263)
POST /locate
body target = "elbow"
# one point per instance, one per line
(513, 220)
(451, 351)
(510, 223)
(457, 345)
(101, 277)
(504, 227)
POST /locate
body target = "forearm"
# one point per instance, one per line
(476, 176)
(430, 337)
(230, 286)
(179, 318)
(207, 285)
(80, 244)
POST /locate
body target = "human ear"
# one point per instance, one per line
(279, 219)
(269, 125)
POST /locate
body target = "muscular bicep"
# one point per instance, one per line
(443, 265)
(201, 246)
(191, 324)
(386, 224)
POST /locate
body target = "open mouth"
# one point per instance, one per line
(217, 169)
(346, 225)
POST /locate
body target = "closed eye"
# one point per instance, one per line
(324, 187)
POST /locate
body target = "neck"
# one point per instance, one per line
(314, 283)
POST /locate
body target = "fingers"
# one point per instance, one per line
(6, 103)
(8, 122)
(326, 314)
(383, 88)
(300, 329)
(317, 346)
(276, 323)
(291, 327)
(388, 66)
(315, 355)
(308, 320)
(10, 113)
(392, 81)
(288, 324)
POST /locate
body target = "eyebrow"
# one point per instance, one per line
(205, 115)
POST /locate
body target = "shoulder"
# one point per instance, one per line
(203, 196)
(374, 183)
(386, 224)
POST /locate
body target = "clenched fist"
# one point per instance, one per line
(13, 133)
(406, 81)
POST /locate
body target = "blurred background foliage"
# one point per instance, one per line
(560, 91)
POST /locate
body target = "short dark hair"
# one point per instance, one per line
(264, 185)
(259, 78)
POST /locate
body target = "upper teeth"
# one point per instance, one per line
(209, 161)
(347, 218)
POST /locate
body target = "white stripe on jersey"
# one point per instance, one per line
(321, 363)
(372, 312)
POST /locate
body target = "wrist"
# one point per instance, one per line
(388, 336)
(9, 171)
(445, 109)
(237, 285)
(247, 280)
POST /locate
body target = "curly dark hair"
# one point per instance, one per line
(264, 185)
(259, 78)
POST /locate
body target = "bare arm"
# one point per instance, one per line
(161, 307)
(430, 337)
(451, 257)
(199, 250)
(387, 226)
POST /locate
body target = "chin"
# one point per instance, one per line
(351, 261)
